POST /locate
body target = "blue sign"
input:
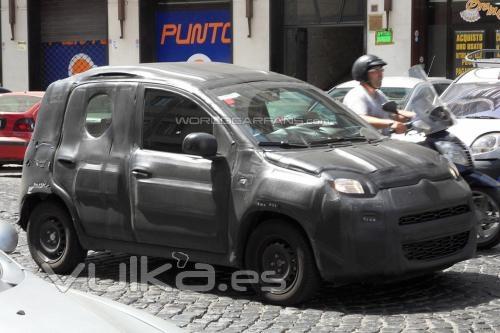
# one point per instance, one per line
(64, 59)
(194, 35)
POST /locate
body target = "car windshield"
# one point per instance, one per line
(474, 100)
(15, 104)
(396, 94)
(291, 115)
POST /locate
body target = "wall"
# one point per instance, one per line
(397, 55)
(251, 52)
(15, 53)
(123, 51)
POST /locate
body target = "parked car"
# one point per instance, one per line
(30, 304)
(474, 98)
(18, 112)
(235, 167)
(397, 88)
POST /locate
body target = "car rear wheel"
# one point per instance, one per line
(281, 252)
(487, 202)
(52, 239)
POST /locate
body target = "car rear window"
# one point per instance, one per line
(13, 104)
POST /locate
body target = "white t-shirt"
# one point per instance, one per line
(358, 100)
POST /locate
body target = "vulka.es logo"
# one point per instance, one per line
(197, 33)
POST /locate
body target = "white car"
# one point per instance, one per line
(29, 304)
(396, 88)
(474, 99)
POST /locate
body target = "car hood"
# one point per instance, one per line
(386, 164)
(34, 305)
(468, 130)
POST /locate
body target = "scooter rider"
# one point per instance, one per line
(367, 100)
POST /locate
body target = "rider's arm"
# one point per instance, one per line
(396, 126)
(378, 122)
(404, 116)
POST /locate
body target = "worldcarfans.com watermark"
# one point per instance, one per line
(136, 276)
(251, 121)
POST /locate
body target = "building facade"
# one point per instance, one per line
(314, 40)
(45, 40)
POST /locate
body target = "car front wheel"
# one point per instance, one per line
(487, 202)
(52, 239)
(281, 252)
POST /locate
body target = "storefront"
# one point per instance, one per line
(196, 31)
(317, 40)
(457, 28)
(66, 37)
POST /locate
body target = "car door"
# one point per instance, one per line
(90, 162)
(179, 200)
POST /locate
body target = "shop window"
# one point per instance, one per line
(353, 11)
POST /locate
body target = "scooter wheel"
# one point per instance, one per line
(487, 202)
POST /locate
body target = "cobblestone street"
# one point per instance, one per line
(464, 298)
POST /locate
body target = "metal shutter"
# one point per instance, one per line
(73, 20)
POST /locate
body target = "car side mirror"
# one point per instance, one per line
(8, 238)
(391, 107)
(202, 144)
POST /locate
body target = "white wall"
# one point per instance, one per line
(123, 51)
(251, 52)
(397, 55)
(15, 53)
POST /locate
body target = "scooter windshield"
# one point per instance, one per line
(432, 114)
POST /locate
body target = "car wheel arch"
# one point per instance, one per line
(257, 218)
(31, 201)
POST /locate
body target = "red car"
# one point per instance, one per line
(18, 111)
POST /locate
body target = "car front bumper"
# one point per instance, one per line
(489, 167)
(399, 233)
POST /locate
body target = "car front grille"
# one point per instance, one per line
(434, 215)
(435, 248)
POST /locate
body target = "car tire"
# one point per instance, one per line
(487, 201)
(52, 239)
(278, 244)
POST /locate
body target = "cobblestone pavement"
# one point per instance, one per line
(464, 298)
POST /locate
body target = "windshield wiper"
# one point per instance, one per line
(343, 140)
(282, 144)
(480, 117)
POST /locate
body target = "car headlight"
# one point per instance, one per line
(453, 152)
(349, 186)
(454, 171)
(486, 143)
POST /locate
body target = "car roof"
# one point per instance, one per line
(201, 75)
(480, 75)
(388, 81)
(396, 82)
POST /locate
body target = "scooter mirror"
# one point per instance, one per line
(391, 107)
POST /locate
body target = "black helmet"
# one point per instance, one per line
(363, 64)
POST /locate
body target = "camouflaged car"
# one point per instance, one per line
(235, 167)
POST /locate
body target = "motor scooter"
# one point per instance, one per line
(429, 128)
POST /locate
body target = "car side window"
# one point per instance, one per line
(169, 118)
(98, 115)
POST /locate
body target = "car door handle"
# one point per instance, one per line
(141, 174)
(66, 160)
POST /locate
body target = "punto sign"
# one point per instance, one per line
(194, 35)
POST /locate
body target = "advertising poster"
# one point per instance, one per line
(194, 35)
(64, 59)
(465, 43)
